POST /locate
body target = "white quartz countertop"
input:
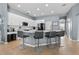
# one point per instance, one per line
(11, 32)
(32, 31)
(58, 30)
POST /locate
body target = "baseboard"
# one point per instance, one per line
(74, 40)
(1, 42)
(30, 45)
(5, 42)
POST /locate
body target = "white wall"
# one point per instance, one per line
(4, 19)
(49, 21)
(48, 25)
(39, 21)
(73, 17)
(17, 20)
(14, 19)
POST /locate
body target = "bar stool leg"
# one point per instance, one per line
(23, 43)
(37, 47)
(35, 44)
(38, 43)
(58, 42)
(50, 42)
(55, 42)
(47, 42)
(39, 50)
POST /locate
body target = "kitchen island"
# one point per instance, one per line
(30, 41)
(11, 36)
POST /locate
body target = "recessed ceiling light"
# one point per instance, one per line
(38, 9)
(18, 5)
(46, 5)
(52, 11)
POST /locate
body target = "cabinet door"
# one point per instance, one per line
(14, 36)
(8, 38)
(11, 37)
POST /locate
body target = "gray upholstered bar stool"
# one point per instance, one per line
(37, 36)
(59, 34)
(47, 35)
(22, 35)
(52, 35)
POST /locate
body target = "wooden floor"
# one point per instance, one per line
(68, 47)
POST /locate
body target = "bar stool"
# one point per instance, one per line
(47, 35)
(59, 34)
(22, 35)
(38, 35)
(52, 35)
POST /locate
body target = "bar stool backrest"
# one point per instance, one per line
(38, 35)
(20, 34)
(61, 33)
(47, 34)
(52, 34)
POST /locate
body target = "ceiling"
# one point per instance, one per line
(42, 9)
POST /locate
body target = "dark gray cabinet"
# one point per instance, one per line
(11, 37)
